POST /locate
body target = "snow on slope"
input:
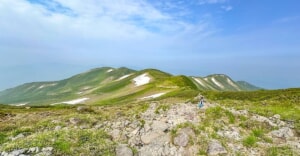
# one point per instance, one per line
(76, 101)
(153, 96)
(21, 104)
(142, 80)
(123, 77)
(109, 70)
(200, 82)
(232, 84)
(217, 83)
(47, 85)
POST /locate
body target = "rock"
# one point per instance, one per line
(182, 139)
(276, 116)
(157, 150)
(74, 121)
(215, 148)
(98, 126)
(4, 153)
(284, 132)
(259, 118)
(18, 137)
(230, 134)
(123, 150)
(115, 134)
(147, 127)
(55, 121)
(46, 151)
(33, 150)
(57, 128)
(17, 152)
(83, 126)
(159, 126)
(150, 137)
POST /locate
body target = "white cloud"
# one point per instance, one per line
(227, 8)
(211, 1)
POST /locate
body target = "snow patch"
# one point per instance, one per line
(47, 85)
(199, 81)
(217, 83)
(123, 77)
(153, 96)
(142, 80)
(109, 70)
(21, 104)
(76, 101)
(232, 84)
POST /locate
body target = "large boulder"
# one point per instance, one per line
(151, 137)
(215, 148)
(123, 150)
(183, 137)
(283, 133)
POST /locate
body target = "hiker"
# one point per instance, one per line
(201, 103)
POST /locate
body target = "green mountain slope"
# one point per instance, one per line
(247, 86)
(109, 85)
(221, 82)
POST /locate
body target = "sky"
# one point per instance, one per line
(257, 41)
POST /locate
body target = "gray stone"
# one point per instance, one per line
(33, 150)
(155, 150)
(74, 121)
(159, 126)
(276, 116)
(46, 151)
(150, 137)
(182, 139)
(18, 137)
(115, 134)
(284, 132)
(17, 152)
(83, 126)
(57, 128)
(230, 134)
(123, 150)
(215, 148)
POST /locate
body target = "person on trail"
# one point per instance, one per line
(201, 103)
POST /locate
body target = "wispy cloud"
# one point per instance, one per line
(227, 8)
(211, 1)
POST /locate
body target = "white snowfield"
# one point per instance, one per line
(142, 80)
(217, 83)
(153, 96)
(21, 104)
(47, 85)
(123, 77)
(76, 101)
(109, 70)
(200, 82)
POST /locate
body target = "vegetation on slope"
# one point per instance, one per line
(284, 102)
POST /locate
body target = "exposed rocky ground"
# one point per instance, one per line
(182, 129)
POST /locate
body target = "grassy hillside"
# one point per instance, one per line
(107, 85)
(284, 102)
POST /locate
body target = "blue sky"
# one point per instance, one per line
(257, 41)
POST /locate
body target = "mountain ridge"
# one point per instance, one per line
(107, 83)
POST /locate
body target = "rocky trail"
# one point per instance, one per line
(182, 129)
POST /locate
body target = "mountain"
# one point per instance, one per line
(221, 82)
(247, 86)
(108, 85)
